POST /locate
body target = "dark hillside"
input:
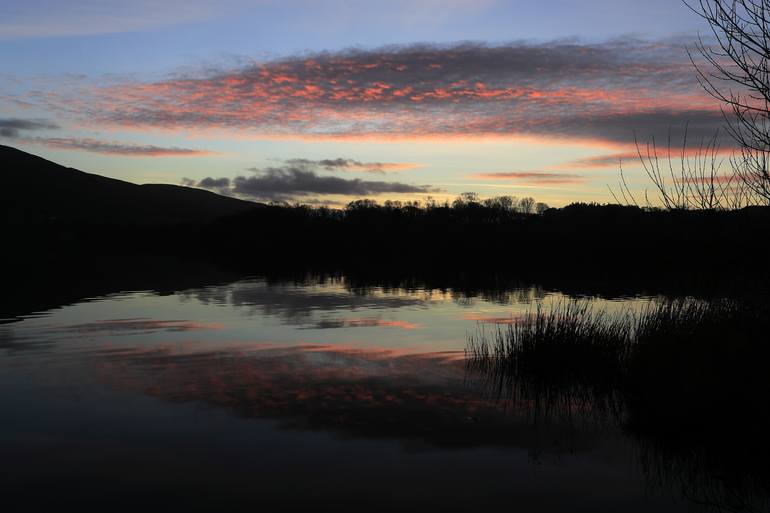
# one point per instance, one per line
(37, 191)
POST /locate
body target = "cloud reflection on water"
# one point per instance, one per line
(373, 393)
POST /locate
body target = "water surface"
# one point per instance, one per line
(293, 395)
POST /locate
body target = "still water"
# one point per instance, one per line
(310, 395)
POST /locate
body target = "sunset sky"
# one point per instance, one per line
(325, 101)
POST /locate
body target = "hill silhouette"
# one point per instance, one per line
(37, 191)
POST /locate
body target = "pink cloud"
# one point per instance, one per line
(601, 92)
(609, 160)
(541, 178)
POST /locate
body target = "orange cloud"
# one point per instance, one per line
(486, 319)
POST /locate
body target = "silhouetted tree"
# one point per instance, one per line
(737, 73)
(362, 204)
(466, 198)
(504, 203)
(540, 208)
(527, 205)
(430, 202)
(391, 204)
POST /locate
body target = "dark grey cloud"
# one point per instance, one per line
(658, 123)
(116, 148)
(339, 163)
(296, 182)
(133, 326)
(214, 183)
(298, 304)
(342, 164)
(364, 322)
(11, 127)
(291, 181)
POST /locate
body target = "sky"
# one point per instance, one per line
(328, 101)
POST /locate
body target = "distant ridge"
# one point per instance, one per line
(38, 191)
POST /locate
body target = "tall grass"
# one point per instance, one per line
(568, 357)
(674, 359)
(690, 380)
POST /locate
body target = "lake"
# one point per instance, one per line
(315, 393)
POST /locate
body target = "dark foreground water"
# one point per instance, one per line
(312, 396)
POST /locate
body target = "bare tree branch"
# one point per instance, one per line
(736, 72)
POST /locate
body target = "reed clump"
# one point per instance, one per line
(560, 359)
(687, 379)
(673, 366)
